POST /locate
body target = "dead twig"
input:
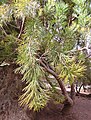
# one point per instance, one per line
(21, 28)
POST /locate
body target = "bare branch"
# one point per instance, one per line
(22, 27)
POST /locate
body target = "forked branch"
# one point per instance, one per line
(60, 82)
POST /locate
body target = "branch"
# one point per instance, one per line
(88, 56)
(60, 82)
(22, 27)
(17, 39)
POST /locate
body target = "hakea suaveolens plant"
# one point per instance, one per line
(69, 70)
(45, 36)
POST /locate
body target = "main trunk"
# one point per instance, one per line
(62, 86)
(73, 92)
(50, 70)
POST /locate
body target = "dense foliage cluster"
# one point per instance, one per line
(43, 37)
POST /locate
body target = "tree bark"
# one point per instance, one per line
(73, 92)
(60, 82)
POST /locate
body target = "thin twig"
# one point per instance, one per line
(22, 27)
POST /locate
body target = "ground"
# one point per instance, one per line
(80, 111)
(10, 90)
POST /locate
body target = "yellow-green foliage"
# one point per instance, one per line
(5, 13)
(70, 70)
(51, 33)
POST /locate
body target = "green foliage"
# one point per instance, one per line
(2, 1)
(81, 12)
(50, 34)
(35, 94)
(7, 49)
(5, 14)
(69, 70)
(26, 8)
(8, 44)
